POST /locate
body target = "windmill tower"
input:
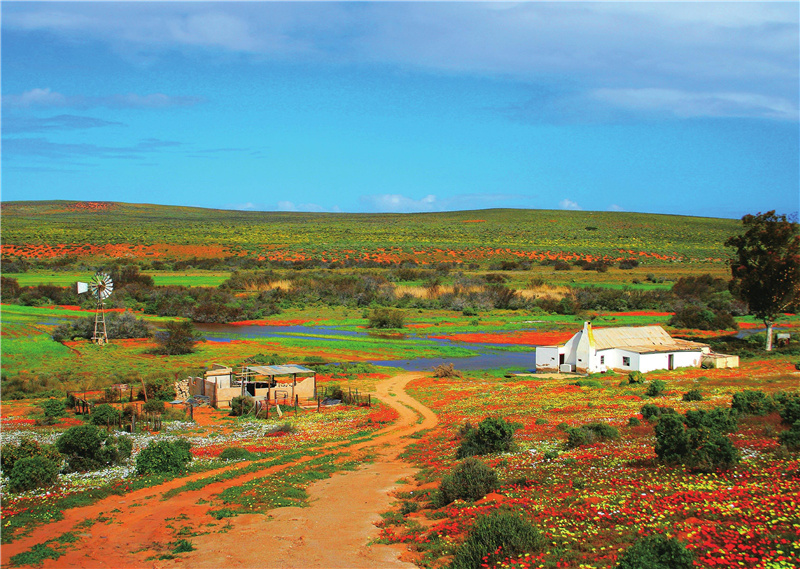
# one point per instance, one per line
(99, 286)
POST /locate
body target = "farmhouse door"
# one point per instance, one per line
(671, 361)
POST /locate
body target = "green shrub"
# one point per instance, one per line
(578, 483)
(27, 448)
(164, 457)
(672, 442)
(492, 435)
(470, 480)
(789, 407)
(651, 412)
(752, 403)
(550, 454)
(154, 406)
(634, 422)
(656, 388)
(635, 377)
(541, 421)
(693, 395)
(104, 414)
(710, 450)
(657, 552)
(241, 406)
(87, 448)
(564, 427)
(701, 447)
(33, 472)
(791, 438)
(587, 383)
(590, 433)
(505, 531)
(718, 419)
(236, 453)
(53, 408)
(386, 318)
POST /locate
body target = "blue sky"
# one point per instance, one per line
(685, 108)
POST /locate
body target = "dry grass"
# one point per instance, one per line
(283, 284)
(544, 291)
(422, 292)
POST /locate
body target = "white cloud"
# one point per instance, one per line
(397, 203)
(686, 104)
(285, 205)
(47, 98)
(567, 203)
(615, 207)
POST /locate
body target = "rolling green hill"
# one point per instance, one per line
(108, 229)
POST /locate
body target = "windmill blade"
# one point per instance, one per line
(83, 287)
(101, 286)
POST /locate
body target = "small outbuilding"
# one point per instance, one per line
(641, 348)
(277, 384)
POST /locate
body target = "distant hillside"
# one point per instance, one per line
(109, 229)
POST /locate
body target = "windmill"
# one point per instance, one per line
(99, 286)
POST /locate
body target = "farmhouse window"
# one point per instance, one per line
(602, 360)
(626, 361)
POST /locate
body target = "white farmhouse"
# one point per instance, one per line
(643, 348)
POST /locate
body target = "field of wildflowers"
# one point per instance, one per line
(592, 502)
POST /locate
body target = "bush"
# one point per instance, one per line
(701, 447)
(494, 537)
(656, 388)
(710, 450)
(672, 442)
(657, 552)
(241, 406)
(105, 414)
(164, 457)
(717, 419)
(693, 395)
(87, 448)
(470, 480)
(590, 433)
(446, 370)
(154, 406)
(386, 318)
(53, 408)
(753, 403)
(635, 377)
(236, 453)
(650, 411)
(789, 407)
(634, 422)
(27, 448)
(178, 337)
(492, 435)
(33, 472)
(791, 438)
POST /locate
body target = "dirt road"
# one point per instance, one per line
(332, 532)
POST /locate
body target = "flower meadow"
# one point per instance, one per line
(592, 502)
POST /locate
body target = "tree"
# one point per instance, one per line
(179, 337)
(766, 266)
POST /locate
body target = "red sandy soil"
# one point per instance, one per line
(332, 532)
(116, 250)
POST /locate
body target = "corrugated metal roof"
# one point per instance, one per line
(640, 339)
(279, 370)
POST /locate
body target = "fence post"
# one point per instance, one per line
(295, 404)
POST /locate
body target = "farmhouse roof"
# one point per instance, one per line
(642, 339)
(289, 369)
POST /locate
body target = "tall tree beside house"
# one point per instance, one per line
(766, 266)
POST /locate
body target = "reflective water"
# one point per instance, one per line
(487, 358)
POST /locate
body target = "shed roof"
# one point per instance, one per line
(289, 369)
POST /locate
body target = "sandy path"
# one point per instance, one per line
(332, 532)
